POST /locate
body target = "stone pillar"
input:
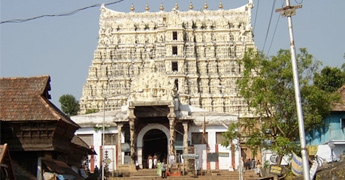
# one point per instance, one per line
(119, 143)
(185, 142)
(39, 172)
(171, 117)
(131, 118)
(185, 137)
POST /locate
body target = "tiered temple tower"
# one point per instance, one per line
(200, 52)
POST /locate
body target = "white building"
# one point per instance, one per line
(156, 77)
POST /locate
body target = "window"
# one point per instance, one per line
(174, 66)
(342, 123)
(110, 139)
(220, 138)
(174, 35)
(197, 138)
(174, 50)
(87, 138)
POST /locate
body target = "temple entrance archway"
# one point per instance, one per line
(152, 139)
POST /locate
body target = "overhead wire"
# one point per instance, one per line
(275, 30)
(57, 15)
(256, 14)
(269, 24)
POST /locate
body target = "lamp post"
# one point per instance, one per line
(103, 131)
(240, 163)
(331, 145)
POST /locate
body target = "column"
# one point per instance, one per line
(185, 142)
(119, 143)
(39, 169)
(171, 117)
(131, 118)
(185, 137)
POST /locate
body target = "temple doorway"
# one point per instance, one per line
(155, 142)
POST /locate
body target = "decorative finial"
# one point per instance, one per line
(220, 5)
(132, 7)
(191, 5)
(161, 7)
(147, 8)
(206, 6)
(176, 6)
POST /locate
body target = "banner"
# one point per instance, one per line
(296, 165)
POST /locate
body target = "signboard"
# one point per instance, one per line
(223, 154)
(125, 147)
(212, 157)
(277, 170)
(190, 156)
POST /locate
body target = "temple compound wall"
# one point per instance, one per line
(199, 51)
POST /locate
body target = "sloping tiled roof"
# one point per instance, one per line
(340, 106)
(79, 142)
(26, 99)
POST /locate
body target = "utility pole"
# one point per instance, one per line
(290, 11)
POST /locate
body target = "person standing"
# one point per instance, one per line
(155, 161)
(150, 162)
(164, 170)
(252, 164)
(159, 168)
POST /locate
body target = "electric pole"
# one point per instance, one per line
(289, 11)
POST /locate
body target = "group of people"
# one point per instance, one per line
(154, 163)
(251, 164)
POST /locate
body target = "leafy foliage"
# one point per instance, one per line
(268, 87)
(330, 79)
(69, 105)
(90, 111)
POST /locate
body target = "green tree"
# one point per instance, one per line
(329, 79)
(90, 111)
(267, 85)
(69, 105)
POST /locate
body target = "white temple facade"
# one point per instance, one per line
(199, 51)
(164, 83)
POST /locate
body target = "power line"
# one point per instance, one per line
(275, 29)
(256, 14)
(269, 24)
(56, 15)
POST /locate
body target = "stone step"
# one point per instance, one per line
(151, 174)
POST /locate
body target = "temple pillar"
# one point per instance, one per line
(131, 118)
(172, 122)
(185, 142)
(185, 137)
(119, 143)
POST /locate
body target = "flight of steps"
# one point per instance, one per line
(151, 174)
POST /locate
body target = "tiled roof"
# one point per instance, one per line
(26, 99)
(340, 106)
(79, 142)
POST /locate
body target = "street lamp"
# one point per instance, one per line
(331, 145)
(240, 162)
(103, 131)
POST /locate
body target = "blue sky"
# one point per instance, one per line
(63, 47)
